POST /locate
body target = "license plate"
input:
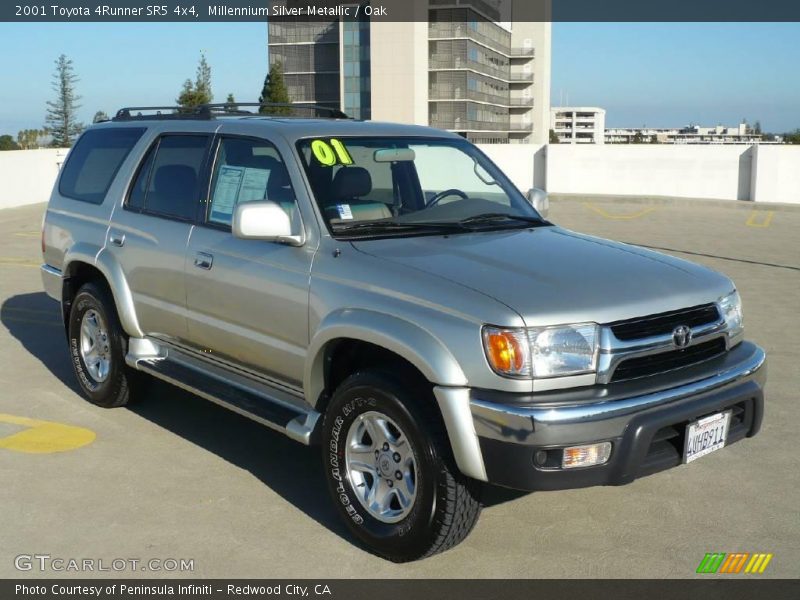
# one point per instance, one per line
(706, 435)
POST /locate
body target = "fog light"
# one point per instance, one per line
(586, 456)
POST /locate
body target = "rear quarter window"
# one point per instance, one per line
(94, 161)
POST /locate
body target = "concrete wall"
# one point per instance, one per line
(722, 172)
(777, 176)
(27, 176)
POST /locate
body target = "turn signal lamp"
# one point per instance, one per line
(586, 456)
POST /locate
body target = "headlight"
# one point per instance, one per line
(541, 352)
(731, 308)
(563, 350)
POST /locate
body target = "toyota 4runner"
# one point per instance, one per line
(385, 291)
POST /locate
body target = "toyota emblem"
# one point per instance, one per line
(681, 336)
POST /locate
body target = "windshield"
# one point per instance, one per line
(410, 186)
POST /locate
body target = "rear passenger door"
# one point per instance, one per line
(248, 299)
(149, 234)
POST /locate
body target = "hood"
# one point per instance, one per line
(550, 275)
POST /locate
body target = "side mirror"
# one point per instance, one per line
(539, 200)
(263, 221)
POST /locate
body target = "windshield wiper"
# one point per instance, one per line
(366, 226)
(495, 217)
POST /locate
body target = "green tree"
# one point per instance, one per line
(757, 128)
(638, 138)
(100, 116)
(197, 92)
(274, 91)
(792, 137)
(7, 143)
(28, 139)
(61, 116)
(654, 139)
(553, 137)
(231, 104)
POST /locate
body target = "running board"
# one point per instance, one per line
(257, 400)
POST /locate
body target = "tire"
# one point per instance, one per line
(109, 382)
(441, 505)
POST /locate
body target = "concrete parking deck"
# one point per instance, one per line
(176, 477)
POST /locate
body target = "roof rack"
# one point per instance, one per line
(211, 111)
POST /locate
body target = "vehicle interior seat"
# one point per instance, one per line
(171, 182)
(350, 185)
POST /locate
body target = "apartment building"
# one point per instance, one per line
(578, 124)
(462, 65)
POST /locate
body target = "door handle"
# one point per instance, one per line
(116, 239)
(203, 260)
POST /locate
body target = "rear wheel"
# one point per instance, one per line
(97, 346)
(390, 470)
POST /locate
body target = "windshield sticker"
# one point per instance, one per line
(331, 152)
(344, 212)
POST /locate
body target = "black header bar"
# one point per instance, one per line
(398, 10)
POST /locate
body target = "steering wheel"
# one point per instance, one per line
(442, 195)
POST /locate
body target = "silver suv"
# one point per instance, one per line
(385, 291)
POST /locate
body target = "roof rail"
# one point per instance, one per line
(177, 112)
(210, 111)
(228, 108)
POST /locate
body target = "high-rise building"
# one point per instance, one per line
(461, 65)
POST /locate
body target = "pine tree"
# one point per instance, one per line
(202, 84)
(197, 92)
(274, 91)
(61, 113)
(100, 116)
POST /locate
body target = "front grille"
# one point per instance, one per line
(634, 329)
(642, 366)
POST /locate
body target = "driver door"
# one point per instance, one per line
(248, 299)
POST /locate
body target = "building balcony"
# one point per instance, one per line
(521, 77)
(466, 125)
(450, 93)
(522, 52)
(521, 102)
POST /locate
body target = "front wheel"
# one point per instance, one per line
(390, 470)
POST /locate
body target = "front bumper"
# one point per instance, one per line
(645, 420)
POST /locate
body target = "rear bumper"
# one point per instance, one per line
(644, 421)
(51, 280)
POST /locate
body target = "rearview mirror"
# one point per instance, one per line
(385, 155)
(539, 200)
(263, 221)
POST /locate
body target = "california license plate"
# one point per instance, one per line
(706, 435)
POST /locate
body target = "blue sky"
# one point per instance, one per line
(672, 74)
(667, 74)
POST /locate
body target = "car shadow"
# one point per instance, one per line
(293, 471)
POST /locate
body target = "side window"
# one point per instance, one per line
(139, 188)
(168, 180)
(94, 161)
(248, 171)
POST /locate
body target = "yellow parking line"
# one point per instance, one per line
(18, 262)
(607, 215)
(44, 437)
(751, 221)
(28, 234)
